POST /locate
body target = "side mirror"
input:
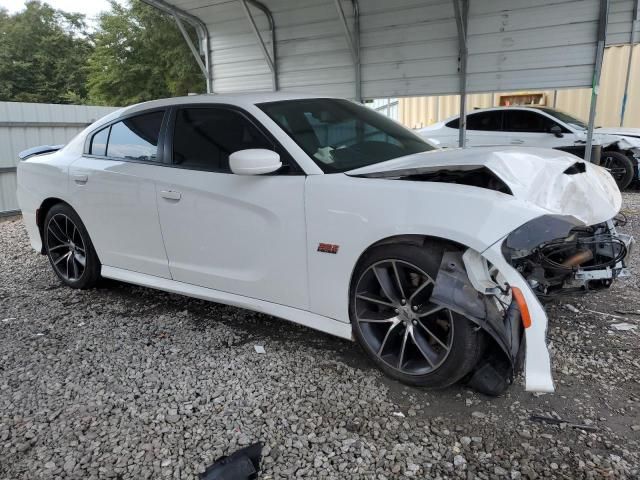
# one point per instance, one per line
(557, 131)
(254, 161)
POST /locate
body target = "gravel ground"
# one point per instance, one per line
(127, 382)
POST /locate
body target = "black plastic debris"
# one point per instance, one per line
(243, 464)
(559, 421)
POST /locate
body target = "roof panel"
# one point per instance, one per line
(409, 47)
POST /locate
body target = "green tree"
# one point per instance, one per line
(140, 55)
(43, 55)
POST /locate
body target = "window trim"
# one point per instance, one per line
(285, 157)
(106, 145)
(160, 155)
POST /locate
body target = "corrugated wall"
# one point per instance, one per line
(25, 125)
(417, 112)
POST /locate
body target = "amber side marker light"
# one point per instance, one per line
(522, 304)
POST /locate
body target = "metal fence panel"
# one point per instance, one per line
(25, 125)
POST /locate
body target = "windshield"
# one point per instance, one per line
(566, 118)
(340, 135)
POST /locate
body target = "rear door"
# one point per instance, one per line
(241, 234)
(113, 191)
(484, 128)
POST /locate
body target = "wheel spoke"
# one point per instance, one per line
(82, 260)
(425, 284)
(62, 257)
(377, 320)
(402, 348)
(75, 267)
(68, 262)
(433, 335)
(431, 311)
(372, 299)
(424, 348)
(58, 237)
(398, 281)
(386, 337)
(63, 233)
(57, 247)
(385, 282)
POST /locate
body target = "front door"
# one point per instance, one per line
(532, 129)
(234, 233)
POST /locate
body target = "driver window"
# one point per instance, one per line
(204, 138)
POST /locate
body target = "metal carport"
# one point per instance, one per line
(366, 49)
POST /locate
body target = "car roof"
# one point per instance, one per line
(237, 99)
(240, 99)
(534, 108)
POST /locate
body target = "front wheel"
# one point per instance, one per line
(406, 335)
(69, 248)
(619, 166)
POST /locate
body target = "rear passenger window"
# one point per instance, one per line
(99, 142)
(136, 138)
(485, 121)
(527, 121)
(205, 137)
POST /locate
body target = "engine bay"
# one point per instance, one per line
(584, 258)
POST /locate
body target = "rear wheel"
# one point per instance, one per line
(620, 166)
(69, 248)
(406, 335)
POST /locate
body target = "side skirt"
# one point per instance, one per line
(295, 315)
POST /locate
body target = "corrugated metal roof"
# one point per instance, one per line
(409, 47)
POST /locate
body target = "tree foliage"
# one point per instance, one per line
(136, 53)
(43, 55)
(140, 55)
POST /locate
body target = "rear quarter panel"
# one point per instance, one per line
(39, 178)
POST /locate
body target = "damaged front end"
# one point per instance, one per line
(559, 254)
(500, 289)
(471, 286)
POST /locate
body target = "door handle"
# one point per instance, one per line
(80, 178)
(515, 141)
(170, 194)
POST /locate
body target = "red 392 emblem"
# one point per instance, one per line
(328, 248)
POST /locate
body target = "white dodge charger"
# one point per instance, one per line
(323, 212)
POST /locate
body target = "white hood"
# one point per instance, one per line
(535, 175)
(621, 131)
(626, 138)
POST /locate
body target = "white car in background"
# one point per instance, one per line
(543, 127)
(326, 213)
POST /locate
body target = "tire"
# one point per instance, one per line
(620, 166)
(380, 320)
(69, 248)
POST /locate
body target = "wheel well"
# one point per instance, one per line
(42, 214)
(627, 153)
(412, 239)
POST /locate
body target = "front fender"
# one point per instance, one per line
(354, 213)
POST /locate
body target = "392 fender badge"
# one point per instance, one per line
(328, 248)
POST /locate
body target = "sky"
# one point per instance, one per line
(89, 7)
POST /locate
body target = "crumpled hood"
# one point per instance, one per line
(621, 131)
(626, 138)
(535, 175)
